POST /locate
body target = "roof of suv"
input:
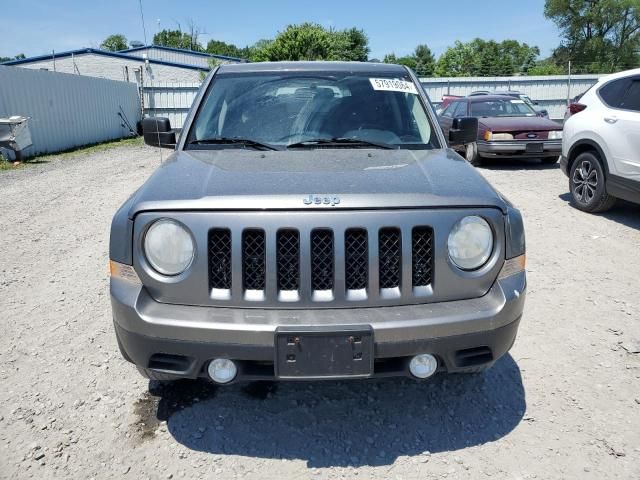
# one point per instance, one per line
(484, 98)
(613, 76)
(359, 67)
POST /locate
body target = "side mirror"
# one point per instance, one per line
(463, 130)
(157, 132)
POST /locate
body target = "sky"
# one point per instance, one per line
(35, 27)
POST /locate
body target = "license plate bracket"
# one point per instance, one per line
(535, 147)
(316, 353)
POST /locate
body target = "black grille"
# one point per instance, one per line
(288, 260)
(356, 258)
(253, 261)
(322, 260)
(422, 247)
(220, 259)
(389, 256)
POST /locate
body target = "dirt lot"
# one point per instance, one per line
(564, 404)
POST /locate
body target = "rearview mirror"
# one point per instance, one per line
(463, 130)
(157, 132)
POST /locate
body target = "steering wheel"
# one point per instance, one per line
(369, 126)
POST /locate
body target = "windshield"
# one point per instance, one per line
(286, 108)
(502, 108)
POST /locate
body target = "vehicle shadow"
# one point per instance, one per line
(625, 213)
(517, 164)
(346, 423)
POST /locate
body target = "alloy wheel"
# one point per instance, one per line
(585, 181)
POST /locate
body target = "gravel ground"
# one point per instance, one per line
(564, 404)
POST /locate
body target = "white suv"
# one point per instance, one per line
(601, 143)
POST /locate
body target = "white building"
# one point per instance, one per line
(143, 65)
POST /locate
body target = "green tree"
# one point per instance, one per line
(390, 58)
(310, 41)
(483, 58)
(547, 67)
(408, 61)
(425, 61)
(178, 39)
(218, 47)
(114, 43)
(421, 60)
(255, 50)
(351, 45)
(19, 56)
(598, 36)
(456, 61)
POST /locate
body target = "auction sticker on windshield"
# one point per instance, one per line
(393, 85)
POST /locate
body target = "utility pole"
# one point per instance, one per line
(569, 85)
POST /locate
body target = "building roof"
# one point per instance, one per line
(106, 53)
(182, 50)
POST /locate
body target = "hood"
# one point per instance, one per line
(238, 179)
(512, 124)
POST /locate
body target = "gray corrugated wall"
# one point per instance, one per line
(551, 92)
(67, 110)
(171, 100)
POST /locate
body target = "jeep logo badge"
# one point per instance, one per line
(332, 200)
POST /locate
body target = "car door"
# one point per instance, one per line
(621, 125)
(446, 118)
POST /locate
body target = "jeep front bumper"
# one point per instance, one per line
(181, 340)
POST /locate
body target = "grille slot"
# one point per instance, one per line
(288, 259)
(389, 255)
(422, 256)
(322, 255)
(253, 259)
(356, 253)
(292, 267)
(220, 259)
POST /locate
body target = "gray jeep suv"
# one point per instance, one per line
(312, 223)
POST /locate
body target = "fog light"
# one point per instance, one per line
(222, 370)
(423, 365)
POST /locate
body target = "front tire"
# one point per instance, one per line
(587, 184)
(471, 154)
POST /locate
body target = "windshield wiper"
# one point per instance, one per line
(233, 141)
(356, 142)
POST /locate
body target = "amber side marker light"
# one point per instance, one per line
(123, 272)
(513, 266)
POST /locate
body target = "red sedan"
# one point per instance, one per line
(507, 128)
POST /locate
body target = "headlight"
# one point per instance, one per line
(168, 247)
(501, 136)
(470, 243)
(555, 135)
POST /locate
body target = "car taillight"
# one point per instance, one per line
(576, 108)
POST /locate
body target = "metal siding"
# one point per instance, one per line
(171, 100)
(551, 92)
(67, 110)
(182, 57)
